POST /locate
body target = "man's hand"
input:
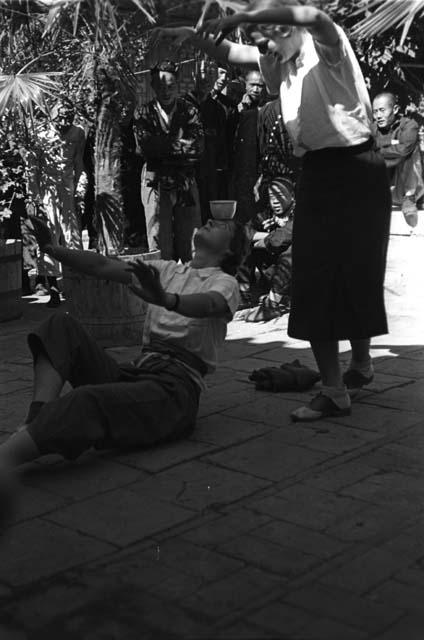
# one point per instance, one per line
(219, 28)
(256, 188)
(42, 233)
(149, 287)
(269, 224)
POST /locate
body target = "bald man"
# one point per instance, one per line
(397, 140)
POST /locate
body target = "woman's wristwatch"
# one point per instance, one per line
(175, 304)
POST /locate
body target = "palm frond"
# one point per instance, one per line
(388, 14)
(100, 9)
(21, 91)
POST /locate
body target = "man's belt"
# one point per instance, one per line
(156, 345)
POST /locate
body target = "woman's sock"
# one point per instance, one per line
(365, 368)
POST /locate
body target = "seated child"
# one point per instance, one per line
(270, 233)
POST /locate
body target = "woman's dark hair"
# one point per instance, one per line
(237, 252)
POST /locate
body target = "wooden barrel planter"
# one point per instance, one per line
(10, 279)
(108, 310)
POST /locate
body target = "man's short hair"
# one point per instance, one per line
(388, 94)
(237, 252)
(165, 65)
(249, 72)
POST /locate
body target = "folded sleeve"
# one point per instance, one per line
(333, 55)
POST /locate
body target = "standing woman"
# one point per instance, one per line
(342, 219)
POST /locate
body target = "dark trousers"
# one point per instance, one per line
(111, 406)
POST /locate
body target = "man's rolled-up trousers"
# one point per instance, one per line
(111, 405)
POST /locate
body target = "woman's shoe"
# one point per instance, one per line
(320, 407)
(355, 380)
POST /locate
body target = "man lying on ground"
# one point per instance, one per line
(153, 399)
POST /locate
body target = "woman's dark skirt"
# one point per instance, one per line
(340, 238)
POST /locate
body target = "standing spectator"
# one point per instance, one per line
(57, 165)
(212, 168)
(246, 165)
(398, 141)
(216, 136)
(230, 98)
(277, 168)
(169, 134)
(255, 91)
(246, 147)
(276, 158)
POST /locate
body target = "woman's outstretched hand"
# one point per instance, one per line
(148, 287)
(219, 28)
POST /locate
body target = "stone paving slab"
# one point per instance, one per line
(225, 528)
(36, 549)
(255, 527)
(165, 456)
(363, 613)
(119, 517)
(199, 486)
(87, 477)
(258, 458)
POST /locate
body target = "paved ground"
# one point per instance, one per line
(254, 528)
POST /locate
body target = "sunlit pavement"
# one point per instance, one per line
(253, 528)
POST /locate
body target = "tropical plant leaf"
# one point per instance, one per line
(388, 14)
(23, 90)
(100, 9)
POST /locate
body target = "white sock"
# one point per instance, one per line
(338, 395)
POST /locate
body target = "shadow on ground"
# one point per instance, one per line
(253, 528)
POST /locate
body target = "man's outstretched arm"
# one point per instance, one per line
(93, 264)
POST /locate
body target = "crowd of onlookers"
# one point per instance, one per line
(223, 140)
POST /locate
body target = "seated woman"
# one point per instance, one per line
(270, 233)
